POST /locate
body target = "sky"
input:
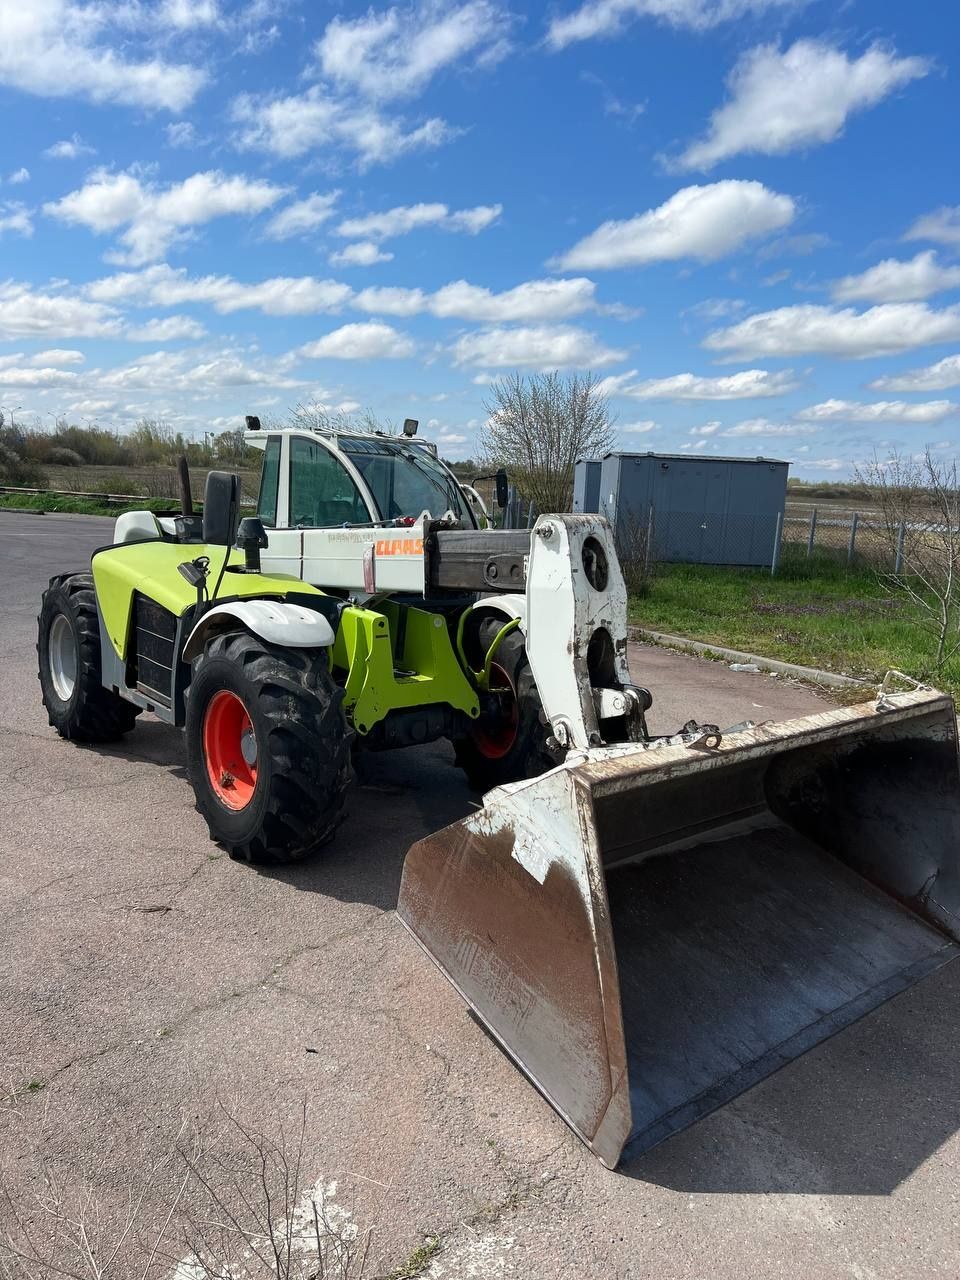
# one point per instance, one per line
(743, 216)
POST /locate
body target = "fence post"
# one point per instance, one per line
(898, 563)
(648, 549)
(531, 508)
(775, 558)
(509, 511)
(853, 537)
(813, 532)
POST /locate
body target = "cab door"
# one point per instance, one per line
(283, 553)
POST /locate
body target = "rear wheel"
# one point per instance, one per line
(508, 741)
(268, 748)
(68, 649)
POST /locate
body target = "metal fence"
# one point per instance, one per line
(850, 540)
(856, 539)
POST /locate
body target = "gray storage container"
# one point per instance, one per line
(705, 510)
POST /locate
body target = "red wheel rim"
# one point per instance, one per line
(230, 750)
(496, 740)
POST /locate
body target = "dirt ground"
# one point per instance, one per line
(152, 991)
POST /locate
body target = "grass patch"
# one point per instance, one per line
(43, 502)
(418, 1261)
(812, 613)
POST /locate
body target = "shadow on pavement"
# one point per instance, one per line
(397, 797)
(856, 1116)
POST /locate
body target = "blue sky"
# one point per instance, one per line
(743, 215)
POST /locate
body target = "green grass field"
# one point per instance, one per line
(43, 502)
(813, 613)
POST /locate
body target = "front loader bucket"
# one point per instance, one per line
(651, 931)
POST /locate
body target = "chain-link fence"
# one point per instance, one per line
(856, 538)
(851, 540)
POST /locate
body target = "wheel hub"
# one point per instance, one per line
(62, 657)
(496, 730)
(230, 750)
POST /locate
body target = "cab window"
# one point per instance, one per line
(269, 483)
(322, 492)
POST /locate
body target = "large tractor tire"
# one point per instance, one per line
(68, 648)
(268, 747)
(508, 741)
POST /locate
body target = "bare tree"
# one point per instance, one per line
(918, 499)
(231, 1203)
(539, 426)
(315, 415)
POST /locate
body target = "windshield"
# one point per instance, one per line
(406, 480)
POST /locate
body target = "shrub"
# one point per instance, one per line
(60, 456)
(15, 470)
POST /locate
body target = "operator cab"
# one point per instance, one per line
(314, 480)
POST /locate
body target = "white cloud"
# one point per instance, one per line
(19, 176)
(34, 378)
(183, 15)
(896, 281)
(822, 464)
(707, 429)
(92, 407)
(362, 254)
(532, 300)
(881, 411)
(70, 148)
(935, 377)
(290, 127)
(56, 49)
(163, 286)
(703, 222)
(155, 218)
(782, 102)
(605, 18)
(942, 226)
(56, 357)
(28, 314)
(641, 428)
(540, 347)
(715, 308)
(395, 53)
(818, 330)
(181, 133)
(749, 384)
(390, 301)
(406, 218)
(371, 340)
(302, 216)
(166, 329)
(198, 372)
(15, 217)
(763, 427)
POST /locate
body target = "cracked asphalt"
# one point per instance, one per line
(145, 977)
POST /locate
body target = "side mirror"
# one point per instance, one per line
(503, 488)
(221, 508)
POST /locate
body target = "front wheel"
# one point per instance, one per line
(268, 748)
(508, 741)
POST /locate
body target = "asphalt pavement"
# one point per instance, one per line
(151, 988)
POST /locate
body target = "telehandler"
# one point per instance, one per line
(647, 924)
